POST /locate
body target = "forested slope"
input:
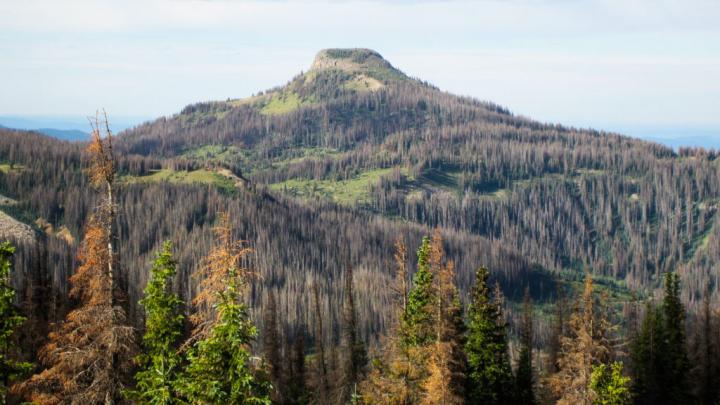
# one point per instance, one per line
(327, 172)
(355, 130)
(297, 244)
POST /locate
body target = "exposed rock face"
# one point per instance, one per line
(357, 61)
(14, 229)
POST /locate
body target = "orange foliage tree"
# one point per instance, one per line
(89, 355)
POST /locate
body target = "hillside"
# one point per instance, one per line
(336, 164)
(356, 131)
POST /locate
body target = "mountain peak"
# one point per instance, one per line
(356, 61)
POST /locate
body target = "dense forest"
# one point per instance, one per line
(275, 236)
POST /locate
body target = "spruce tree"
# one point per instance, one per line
(489, 376)
(156, 380)
(675, 364)
(417, 320)
(646, 353)
(660, 360)
(10, 319)
(220, 368)
(424, 362)
(524, 375)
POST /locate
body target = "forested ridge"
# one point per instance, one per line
(328, 180)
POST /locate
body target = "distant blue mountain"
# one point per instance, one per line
(66, 128)
(677, 137)
(70, 135)
(65, 134)
(707, 142)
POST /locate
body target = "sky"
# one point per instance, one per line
(649, 68)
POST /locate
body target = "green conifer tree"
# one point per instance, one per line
(417, 320)
(220, 369)
(659, 352)
(10, 319)
(489, 375)
(609, 386)
(159, 364)
(645, 352)
(676, 366)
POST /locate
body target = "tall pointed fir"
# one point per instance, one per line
(524, 376)
(220, 368)
(489, 375)
(660, 359)
(89, 356)
(417, 320)
(676, 366)
(353, 356)
(10, 319)
(646, 353)
(156, 380)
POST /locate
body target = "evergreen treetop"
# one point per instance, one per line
(417, 320)
(156, 379)
(489, 376)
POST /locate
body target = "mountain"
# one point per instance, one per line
(65, 134)
(356, 131)
(333, 166)
(32, 125)
(65, 128)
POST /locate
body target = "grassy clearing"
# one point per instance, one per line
(282, 104)
(200, 176)
(355, 191)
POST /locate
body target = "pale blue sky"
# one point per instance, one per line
(617, 65)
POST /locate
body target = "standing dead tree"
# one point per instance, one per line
(89, 355)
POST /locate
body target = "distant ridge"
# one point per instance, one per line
(65, 134)
(67, 128)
